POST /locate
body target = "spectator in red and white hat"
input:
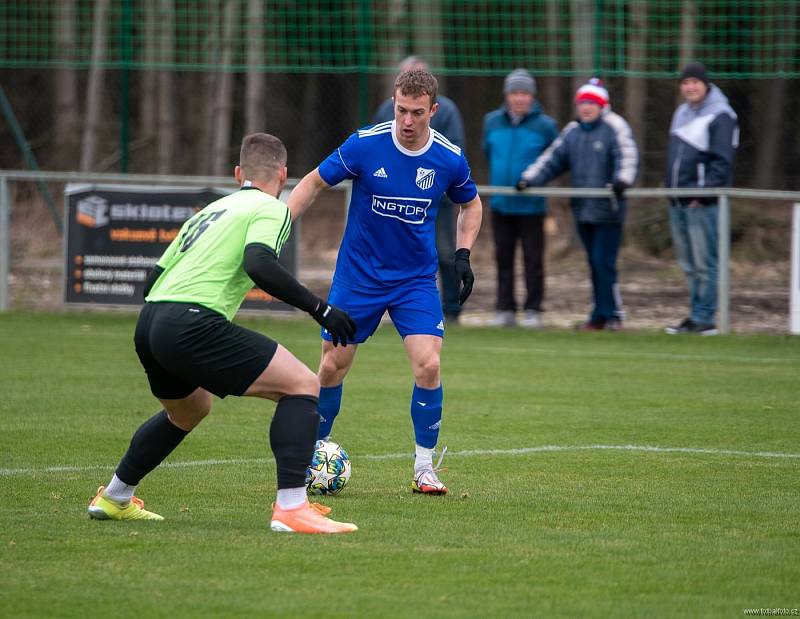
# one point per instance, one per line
(598, 150)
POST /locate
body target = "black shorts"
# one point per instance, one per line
(183, 346)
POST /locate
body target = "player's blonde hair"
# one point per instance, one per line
(416, 83)
(261, 157)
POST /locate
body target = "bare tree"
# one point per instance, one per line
(211, 48)
(394, 49)
(549, 91)
(635, 82)
(223, 101)
(94, 92)
(66, 111)
(167, 118)
(148, 102)
(428, 38)
(688, 40)
(770, 140)
(255, 99)
(583, 40)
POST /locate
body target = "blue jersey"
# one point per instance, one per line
(390, 236)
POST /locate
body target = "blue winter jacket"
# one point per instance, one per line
(510, 148)
(596, 154)
(702, 141)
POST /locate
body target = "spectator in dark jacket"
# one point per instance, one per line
(513, 137)
(599, 151)
(446, 121)
(702, 140)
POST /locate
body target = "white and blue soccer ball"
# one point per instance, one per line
(330, 469)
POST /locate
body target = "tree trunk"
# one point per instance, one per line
(167, 118)
(66, 113)
(148, 92)
(428, 40)
(686, 53)
(394, 44)
(582, 34)
(210, 81)
(771, 137)
(635, 83)
(549, 88)
(223, 104)
(255, 99)
(94, 91)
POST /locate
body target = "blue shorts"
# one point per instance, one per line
(414, 307)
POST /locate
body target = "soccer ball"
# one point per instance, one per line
(330, 469)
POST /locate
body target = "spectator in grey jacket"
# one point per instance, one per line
(703, 137)
(446, 121)
(598, 150)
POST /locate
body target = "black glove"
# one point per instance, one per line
(522, 184)
(336, 322)
(619, 187)
(464, 276)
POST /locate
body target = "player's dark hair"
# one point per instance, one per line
(416, 83)
(262, 156)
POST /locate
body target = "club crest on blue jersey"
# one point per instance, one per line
(409, 210)
(425, 178)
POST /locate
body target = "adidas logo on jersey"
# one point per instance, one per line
(380, 173)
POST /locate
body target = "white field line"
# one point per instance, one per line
(627, 354)
(468, 453)
(639, 354)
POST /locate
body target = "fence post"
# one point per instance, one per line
(5, 242)
(794, 285)
(724, 258)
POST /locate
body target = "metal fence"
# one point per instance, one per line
(724, 196)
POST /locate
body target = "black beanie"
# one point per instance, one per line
(697, 70)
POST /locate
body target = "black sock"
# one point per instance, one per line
(151, 444)
(292, 436)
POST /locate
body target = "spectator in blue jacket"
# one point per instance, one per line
(703, 137)
(599, 151)
(513, 137)
(448, 122)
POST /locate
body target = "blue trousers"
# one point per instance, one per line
(602, 242)
(694, 241)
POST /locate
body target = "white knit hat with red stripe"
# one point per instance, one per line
(593, 92)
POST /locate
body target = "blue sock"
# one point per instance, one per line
(426, 413)
(330, 401)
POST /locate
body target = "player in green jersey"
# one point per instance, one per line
(190, 349)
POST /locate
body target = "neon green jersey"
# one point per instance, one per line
(204, 263)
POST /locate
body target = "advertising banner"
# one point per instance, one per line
(116, 233)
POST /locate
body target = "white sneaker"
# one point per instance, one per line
(504, 318)
(426, 481)
(532, 320)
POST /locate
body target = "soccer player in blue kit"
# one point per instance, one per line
(387, 259)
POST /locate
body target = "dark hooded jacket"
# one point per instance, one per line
(702, 142)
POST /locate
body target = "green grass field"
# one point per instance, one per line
(607, 475)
